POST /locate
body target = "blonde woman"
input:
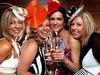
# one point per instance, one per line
(83, 29)
(11, 26)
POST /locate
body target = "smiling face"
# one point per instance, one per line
(57, 21)
(77, 28)
(43, 30)
(15, 27)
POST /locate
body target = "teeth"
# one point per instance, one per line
(16, 31)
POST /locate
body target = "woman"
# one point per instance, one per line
(69, 50)
(83, 29)
(32, 61)
(12, 24)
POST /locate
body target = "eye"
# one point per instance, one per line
(52, 18)
(20, 22)
(78, 24)
(47, 24)
(59, 19)
(12, 22)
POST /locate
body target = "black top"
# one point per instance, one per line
(94, 43)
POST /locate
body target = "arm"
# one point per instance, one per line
(96, 47)
(1, 73)
(28, 53)
(5, 50)
(73, 64)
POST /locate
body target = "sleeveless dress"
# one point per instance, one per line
(9, 66)
(61, 69)
(38, 65)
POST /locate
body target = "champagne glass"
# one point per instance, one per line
(47, 48)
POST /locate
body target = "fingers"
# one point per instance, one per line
(54, 55)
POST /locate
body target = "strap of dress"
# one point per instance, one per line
(14, 43)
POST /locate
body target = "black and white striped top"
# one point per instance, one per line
(38, 65)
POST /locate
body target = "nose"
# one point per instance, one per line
(18, 25)
(74, 27)
(55, 22)
(45, 28)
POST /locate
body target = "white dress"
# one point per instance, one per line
(90, 63)
(9, 66)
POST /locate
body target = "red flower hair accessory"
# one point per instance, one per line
(53, 6)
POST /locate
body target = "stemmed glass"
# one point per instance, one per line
(52, 44)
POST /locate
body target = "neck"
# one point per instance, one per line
(82, 40)
(41, 39)
(61, 32)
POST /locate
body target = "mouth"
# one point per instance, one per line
(44, 33)
(17, 31)
(55, 26)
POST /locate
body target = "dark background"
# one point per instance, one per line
(93, 6)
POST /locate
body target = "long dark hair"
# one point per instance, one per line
(63, 11)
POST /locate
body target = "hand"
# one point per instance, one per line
(48, 57)
(1, 73)
(58, 55)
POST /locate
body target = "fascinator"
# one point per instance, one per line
(73, 12)
(53, 6)
(36, 15)
(19, 12)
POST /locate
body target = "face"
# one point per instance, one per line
(57, 21)
(15, 27)
(43, 30)
(77, 28)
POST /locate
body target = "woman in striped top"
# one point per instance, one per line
(31, 59)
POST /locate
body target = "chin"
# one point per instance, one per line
(75, 37)
(44, 37)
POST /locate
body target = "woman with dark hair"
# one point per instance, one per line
(69, 49)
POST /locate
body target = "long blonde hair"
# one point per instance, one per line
(5, 22)
(6, 18)
(89, 25)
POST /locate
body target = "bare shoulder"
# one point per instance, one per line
(5, 45)
(30, 42)
(5, 49)
(74, 43)
(29, 46)
(72, 40)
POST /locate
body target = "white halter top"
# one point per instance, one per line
(10, 65)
